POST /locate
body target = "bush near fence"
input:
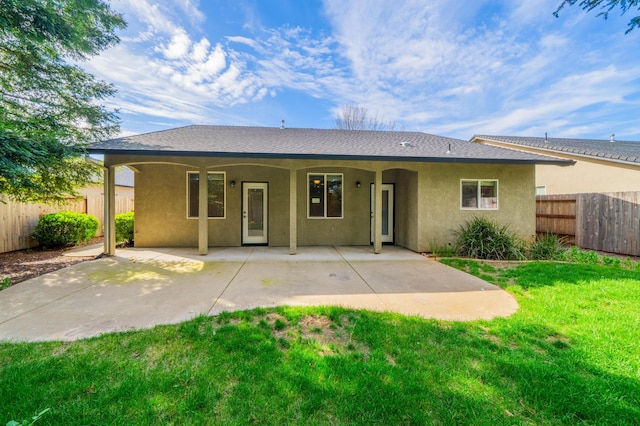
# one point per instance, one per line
(18, 220)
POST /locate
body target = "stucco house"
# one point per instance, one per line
(294, 187)
(600, 165)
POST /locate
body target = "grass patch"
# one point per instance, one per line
(570, 355)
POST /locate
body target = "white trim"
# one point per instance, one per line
(224, 193)
(479, 195)
(325, 195)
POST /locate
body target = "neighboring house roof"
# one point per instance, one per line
(124, 177)
(616, 151)
(274, 142)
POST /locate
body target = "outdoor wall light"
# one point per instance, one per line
(232, 183)
(358, 184)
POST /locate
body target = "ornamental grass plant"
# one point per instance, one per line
(483, 238)
(547, 247)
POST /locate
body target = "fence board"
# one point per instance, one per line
(556, 214)
(608, 222)
(18, 220)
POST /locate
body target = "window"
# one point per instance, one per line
(325, 195)
(479, 194)
(215, 198)
(541, 190)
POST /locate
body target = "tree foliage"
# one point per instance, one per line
(49, 106)
(353, 117)
(605, 7)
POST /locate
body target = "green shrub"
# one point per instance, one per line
(65, 228)
(124, 227)
(482, 238)
(547, 247)
(582, 256)
(611, 261)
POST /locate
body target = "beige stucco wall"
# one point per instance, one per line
(427, 200)
(585, 176)
(161, 206)
(353, 228)
(405, 206)
(439, 200)
(588, 176)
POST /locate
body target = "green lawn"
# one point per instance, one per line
(570, 355)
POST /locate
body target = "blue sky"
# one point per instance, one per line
(448, 68)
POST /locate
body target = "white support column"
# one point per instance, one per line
(203, 212)
(109, 220)
(293, 212)
(377, 214)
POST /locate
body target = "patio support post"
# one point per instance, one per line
(203, 212)
(377, 214)
(293, 212)
(109, 219)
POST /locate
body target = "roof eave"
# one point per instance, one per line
(555, 151)
(311, 156)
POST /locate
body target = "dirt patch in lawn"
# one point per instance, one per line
(21, 265)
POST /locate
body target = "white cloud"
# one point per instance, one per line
(169, 75)
(458, 69)
(178, 46)
(244, 40)
(201, 49)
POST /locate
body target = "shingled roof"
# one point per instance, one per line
(273, 142)
(616, 151)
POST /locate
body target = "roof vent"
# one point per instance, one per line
(612, 137)
(405, 143)
(282, 124)
(546, 140)
(449, 150)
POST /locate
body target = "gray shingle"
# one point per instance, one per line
(273, 142)
(618, 151)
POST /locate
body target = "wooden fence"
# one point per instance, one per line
(18, 220)
(608, 222)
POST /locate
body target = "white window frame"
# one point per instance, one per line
(541, 190)
(224, 193)
(325, 196)
(479, 194)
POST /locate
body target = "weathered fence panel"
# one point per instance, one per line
(18, 220)
(556, 214)
(608, 222)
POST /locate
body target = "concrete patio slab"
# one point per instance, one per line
(140, 288)
(93, 250)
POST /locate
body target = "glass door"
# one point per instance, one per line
(254, 213)
(387, 212)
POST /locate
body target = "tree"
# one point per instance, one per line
(605, 6)
(49, 106)
(355, 117)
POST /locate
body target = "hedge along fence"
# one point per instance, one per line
(18, 220)
(66, 228)
(608, 222)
